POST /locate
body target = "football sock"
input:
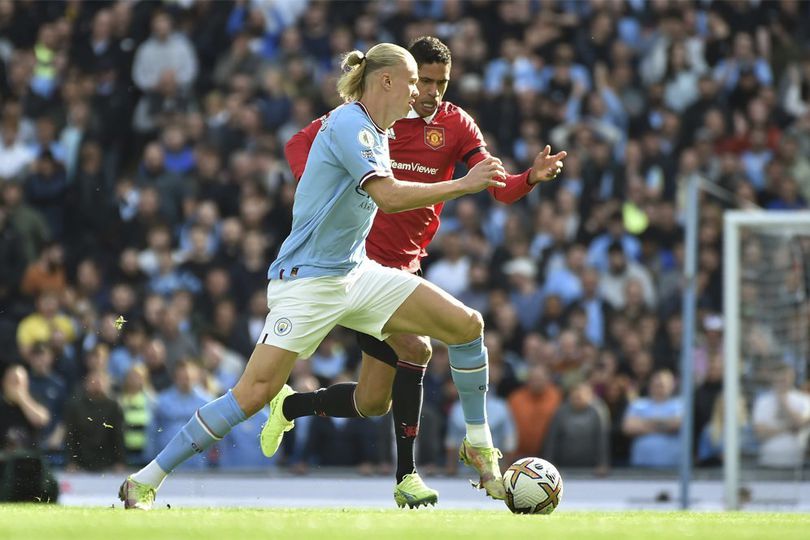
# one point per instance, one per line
(407, 408)
(208, 425)
(151, 475)
(470, 370)
(479, 435)
(336, 401)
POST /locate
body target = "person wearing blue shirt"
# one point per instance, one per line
(654, 424)
(322, 278)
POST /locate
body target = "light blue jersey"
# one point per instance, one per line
(332, 214)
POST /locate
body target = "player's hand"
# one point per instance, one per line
(485, 174)
(546, 166)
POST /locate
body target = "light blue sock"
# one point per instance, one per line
(470, 370)
(208, 425)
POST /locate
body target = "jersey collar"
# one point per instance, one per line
(381, 130)
(428, 119)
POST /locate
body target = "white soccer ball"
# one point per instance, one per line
(533, 486)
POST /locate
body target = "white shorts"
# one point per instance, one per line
(303, 311)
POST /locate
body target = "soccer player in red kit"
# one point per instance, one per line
(425, 147)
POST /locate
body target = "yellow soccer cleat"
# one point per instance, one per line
(136, 495)
(275, 427)
(485, 461)
(413, 493)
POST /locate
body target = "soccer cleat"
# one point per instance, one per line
(136, 495)
(485, 461)
(275, 427)
(413, 493)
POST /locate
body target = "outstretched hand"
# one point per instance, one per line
(546, 166)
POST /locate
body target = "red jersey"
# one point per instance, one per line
(422, 150)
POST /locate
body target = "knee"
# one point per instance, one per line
(417, 351)
(471, 328)
(373, 407)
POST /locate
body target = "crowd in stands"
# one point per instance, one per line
(144, 192)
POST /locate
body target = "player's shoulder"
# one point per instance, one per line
(354, 112)
(451, 111)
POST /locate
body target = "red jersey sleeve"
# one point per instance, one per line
(517, 185)
(473, 150)
(471, 139)
(297, 148)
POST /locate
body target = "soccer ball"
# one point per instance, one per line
(533, 486)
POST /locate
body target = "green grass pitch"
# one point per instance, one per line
(26, 522)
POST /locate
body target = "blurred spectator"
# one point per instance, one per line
(533, 407)
(619, 273)
(154, 356)
(46, 188)
(781, 419)
(330, 359)
(136, 401)
(45, 323)
(579, 433)
(15, 157)
(164, 52)
(50, 389)
(94, 424)
(28, 222)
(710, 439)
(653, 423)
(13, 256)
(124, 357)
(224, 366)
(21, 416)
(47, 273)
(525, 295)
(707, 393)
(450, 272)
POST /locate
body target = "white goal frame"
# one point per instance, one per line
(733, 221)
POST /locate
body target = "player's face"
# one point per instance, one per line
(433, 80)
(405, 91)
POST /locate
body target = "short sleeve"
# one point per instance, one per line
(470, 137)
(360, 148)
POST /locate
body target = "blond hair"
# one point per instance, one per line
(357, 65)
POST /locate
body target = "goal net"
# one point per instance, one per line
(766, 280)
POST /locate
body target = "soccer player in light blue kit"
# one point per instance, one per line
(322, 277)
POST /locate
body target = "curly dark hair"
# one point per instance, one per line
(430, 50)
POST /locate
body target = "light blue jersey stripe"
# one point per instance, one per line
(332, 214)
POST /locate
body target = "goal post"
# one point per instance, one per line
(780, 241)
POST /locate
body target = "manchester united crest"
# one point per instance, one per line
(434, 137)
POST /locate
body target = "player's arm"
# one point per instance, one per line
(546, 167)
(393, 195)
(633, 426)
(297, 148)
(473, 150)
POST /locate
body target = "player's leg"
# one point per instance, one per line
(267, 370)
(414, 353)
(369, 396)
(431, 311)
(301, 314)
(410, 305)
(382, 376)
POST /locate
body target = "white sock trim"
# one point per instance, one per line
(151, 475)
(479, 435)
